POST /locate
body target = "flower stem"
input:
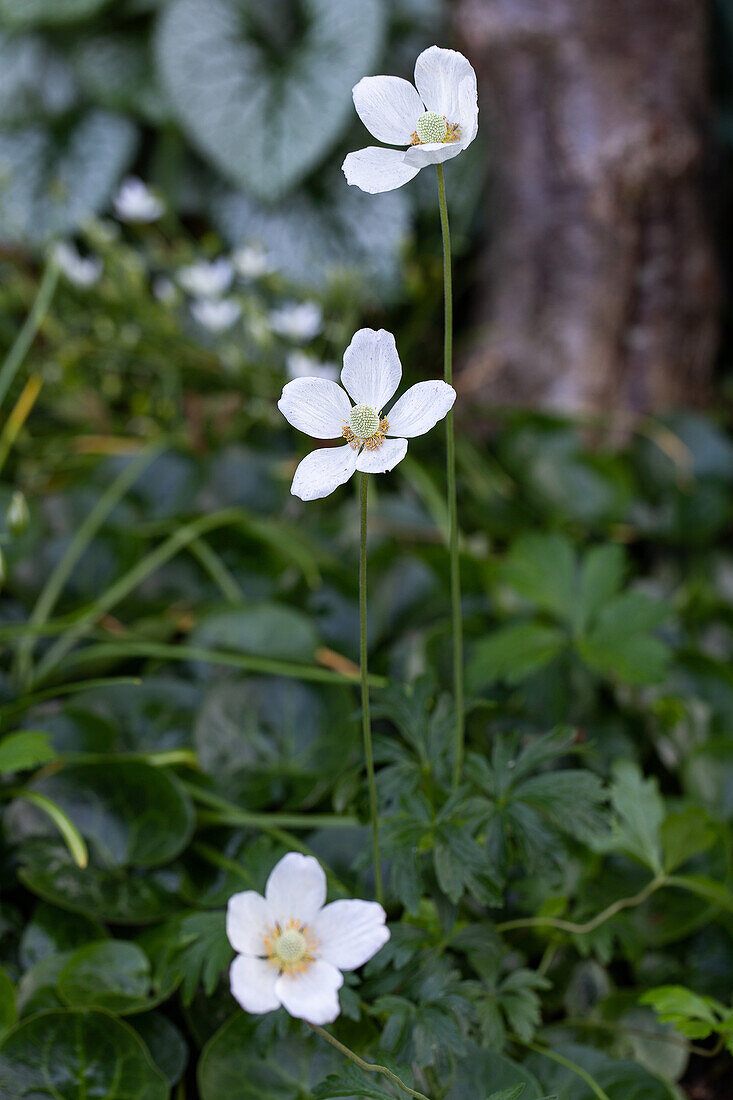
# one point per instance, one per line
(455, 565)
(368, 1067)
(590, 925)
(366, 718)
(561, 1060)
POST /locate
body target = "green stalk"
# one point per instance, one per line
(366, 719)
(27, 334)
(84, 534)
(455, 565)
(368, 1067)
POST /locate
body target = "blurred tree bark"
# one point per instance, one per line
(600, 287)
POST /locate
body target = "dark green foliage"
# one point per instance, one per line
(171, 720)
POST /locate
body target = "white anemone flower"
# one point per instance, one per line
(291, 947)
(207, 280)
(216, 314)
(251, 261)
(82, 271)
(136, 203)
(300, 365)
(436, 120)
(297, 320)
(375, 441)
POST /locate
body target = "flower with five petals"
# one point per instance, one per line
(291, 947)
(436, 120)
(375, 441)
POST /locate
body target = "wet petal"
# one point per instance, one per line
(315, 406)
(296, 888)
(350, 932)
(322, 471)
(313, 994)
(252, 982)
(420, 408)
(375, 170)
(389, 107)
(384, 458)
(372, 368)
(248, 917)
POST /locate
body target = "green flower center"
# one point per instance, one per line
(431, 127)
(290, 947)
(364, 421)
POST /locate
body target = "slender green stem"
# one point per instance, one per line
(83, 536)
(27, 334)
(366, 718)
(368, 1067)
(455, 564)
(567, 1063)
(590, 925)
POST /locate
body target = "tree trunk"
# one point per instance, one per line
(600, 288)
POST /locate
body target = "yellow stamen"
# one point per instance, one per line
(373, 443)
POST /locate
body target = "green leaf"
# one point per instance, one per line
(601, 575)
(481, 1070)
(541, 568)
(352, 1081)
(634, 658)
(51, 186)
(51, 931)
(630, 613)
(7, 1003)
(115, 71)
(237, 1062)
(639, 812)
(264, 740)
(618, 644)
(165, 1043)
(686, 833)
(30, 13)
(620, 1080)
(72, 837)
(35, 81)
(702, 887)
(130, 812)
(316, 239)
(77, 1055)
(512, 653)
(109, 894)
(198, 951)
(694, 1016)
(24, 750)
(113, 975)
(265, 630)
(262, 95)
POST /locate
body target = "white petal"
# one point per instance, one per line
(468, 109)
(389, 107)
(312, 995)
(433, 152)
(315, 406)
(252, 982)
(375, 170)
(322, 471)
(296, 888)
(350, 932)
(248, 918)
(439, 76)
(420, 408)
(385, 458)
(372, 368)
